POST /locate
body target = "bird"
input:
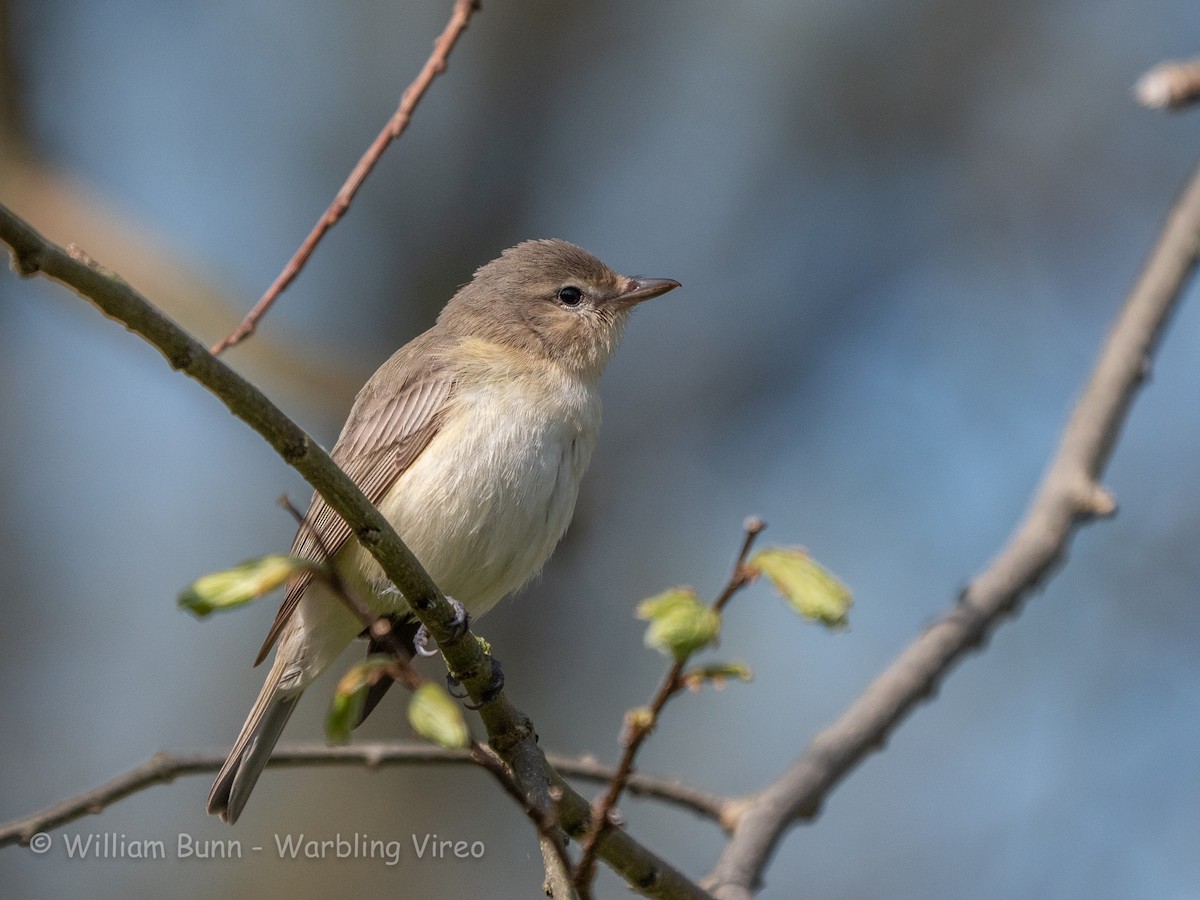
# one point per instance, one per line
(471, 440)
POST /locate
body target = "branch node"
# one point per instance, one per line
(732, 813)
(181, 359)
(504, 743)
(1090, 500)
(1170, 85)
(77, 253)
(26, 263)
(650, 880)
(293, 450)
(1099, 502)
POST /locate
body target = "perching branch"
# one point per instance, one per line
(434, 66)
(1070, 495)
(509, 731)
(33, 254)
(544, 816)
(163, 768)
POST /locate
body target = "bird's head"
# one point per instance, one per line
(551, 299)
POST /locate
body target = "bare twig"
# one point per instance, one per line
(1069, 495)
(163, 768)
(434, 66)
(509, 731)
(559, 884)
(639, 729)
(1170, 85)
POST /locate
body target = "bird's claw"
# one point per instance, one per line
(452, 685)
(462, 621)
(490, 693)
(495, 686)
(421, 642)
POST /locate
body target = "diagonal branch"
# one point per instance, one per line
(434, 66)
(1069, 496)
(544, 816)
(509, 731)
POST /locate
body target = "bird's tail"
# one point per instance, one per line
(254, 744)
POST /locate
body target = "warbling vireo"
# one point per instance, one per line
(471, 440)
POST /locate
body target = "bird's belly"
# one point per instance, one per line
(485, 504)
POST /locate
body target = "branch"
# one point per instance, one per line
(639, 728)
(163, 768)
(509, 731)
(32, 254)
(539, 808)
(434, 66)
(1069, 496)
(1169, 85)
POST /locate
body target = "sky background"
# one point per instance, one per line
(902, 229)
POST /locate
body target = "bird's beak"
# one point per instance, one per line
(639, 289)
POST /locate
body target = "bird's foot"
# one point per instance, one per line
(491, 692)
(453, 683)
(462, 621)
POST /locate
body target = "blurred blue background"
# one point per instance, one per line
(902, 229)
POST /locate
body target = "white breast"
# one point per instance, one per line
(486, 502)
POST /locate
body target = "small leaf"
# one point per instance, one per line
(810, 589)
(351, 693)
(718, 674)
(679, 623)
(241, 584)
(437, 718)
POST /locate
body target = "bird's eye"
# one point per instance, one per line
(570, 295)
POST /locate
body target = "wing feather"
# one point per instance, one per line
(385, 433)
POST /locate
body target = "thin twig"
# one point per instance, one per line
(1170, 85)
(510, 732)
(1069, 495)
(434, 66)
(163, 768)
(639, 729)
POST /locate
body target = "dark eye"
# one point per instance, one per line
(570, 295)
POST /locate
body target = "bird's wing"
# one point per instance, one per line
(386, 432)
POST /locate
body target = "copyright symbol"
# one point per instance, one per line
(40, 842)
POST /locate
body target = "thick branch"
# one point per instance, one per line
(509, 731)
(434, 66)
(1068, 496)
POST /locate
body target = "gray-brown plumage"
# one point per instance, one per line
(471, 439)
